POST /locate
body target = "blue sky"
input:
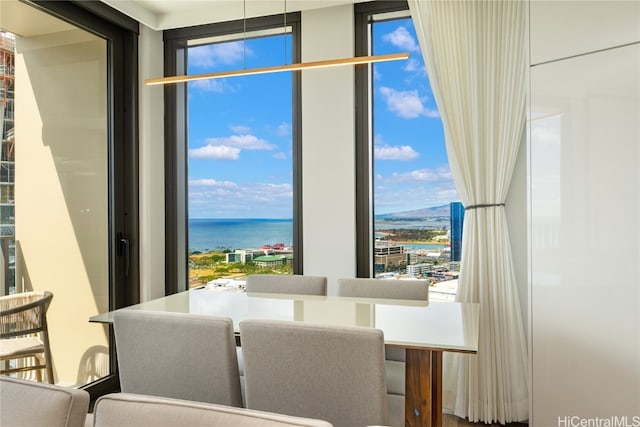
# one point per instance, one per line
(240, 163)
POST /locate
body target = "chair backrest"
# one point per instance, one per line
(27, 403)
(384, 288)
(22, 316)
(24, 313)
(131, 410)
(388, 289)
(287, 284)
(327, 372)
(182, 356)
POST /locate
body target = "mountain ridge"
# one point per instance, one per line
(433, 211)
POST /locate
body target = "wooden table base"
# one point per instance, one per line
(423, 388)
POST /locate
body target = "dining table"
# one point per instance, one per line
(425, 329)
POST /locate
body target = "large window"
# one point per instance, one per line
(412, 212)
(240, 150)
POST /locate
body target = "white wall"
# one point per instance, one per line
(585, 212)
(150, 63)
(328, 150)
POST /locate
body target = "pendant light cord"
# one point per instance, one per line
(284, 28)
(244, 33)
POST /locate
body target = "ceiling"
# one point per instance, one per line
(21, 19)
(168, 14)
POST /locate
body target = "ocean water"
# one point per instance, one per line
(212, 234)
(237, 233)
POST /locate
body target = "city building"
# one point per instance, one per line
(7, 162)
(388, 254)
(272, 261)
(227, 283)
(418, 270)
(457, 223)
(245, 255)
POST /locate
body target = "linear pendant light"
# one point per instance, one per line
(279, 68)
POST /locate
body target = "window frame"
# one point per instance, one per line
(176, 141)
(363, 14)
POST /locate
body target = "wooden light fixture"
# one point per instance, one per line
(278, 68)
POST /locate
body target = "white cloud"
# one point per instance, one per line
(209, 182)
(249, 200)
(210, 85)
(401, 38)
(442, 173)
(229, 148)
(399, 191)
(283, 129)
(390, 197)
(215, 152)
(245, 142)
(210, 55)
(241, 130)
(387, 152)
(413, 65)
(405, 199)
(406, 104)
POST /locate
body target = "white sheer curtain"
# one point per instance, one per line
(475, 57)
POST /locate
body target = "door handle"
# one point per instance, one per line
(123, 250)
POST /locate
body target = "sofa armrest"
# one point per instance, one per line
(28, 403)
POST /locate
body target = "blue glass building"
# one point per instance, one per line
(456, 223)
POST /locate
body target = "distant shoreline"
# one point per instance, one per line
(421, 242)
(243, 219)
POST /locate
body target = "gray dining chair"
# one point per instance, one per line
(395, 357)
(384, 288)
(287, 284)
(328, 372)
(176, 355)
(281, 284)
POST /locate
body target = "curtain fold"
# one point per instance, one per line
(474, 52)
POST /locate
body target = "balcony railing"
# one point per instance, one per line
(7, 230)
(7, 42)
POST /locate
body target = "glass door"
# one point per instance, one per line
(59, 195)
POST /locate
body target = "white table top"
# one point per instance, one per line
(436, 325)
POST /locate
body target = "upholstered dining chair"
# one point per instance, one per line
(282, 284)
(177, 355)
(287, 284)
(394, 356)
(327, 372)
(411, 289)
(24, 332)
